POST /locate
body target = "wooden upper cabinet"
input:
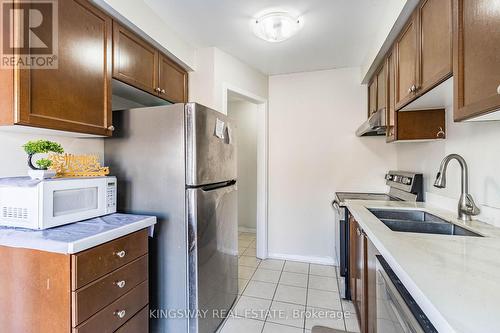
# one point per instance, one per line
(141, 65)
(382, 87)
(135, 62)
(406, 65)
(391, 115)
(76, 96)
(372, 96)
(172, 81)
(435, 43)
(476, 59)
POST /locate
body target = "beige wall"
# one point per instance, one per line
(13, 158)
(244, 114)
(314, 152)
(216, 71)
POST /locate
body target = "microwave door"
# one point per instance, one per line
(69, 201)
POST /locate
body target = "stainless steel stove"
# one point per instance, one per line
(341, 197)
(403, 186)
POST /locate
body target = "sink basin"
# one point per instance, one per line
(419, 222)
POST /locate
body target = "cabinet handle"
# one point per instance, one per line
(120, 314)
(158, 90)
(121, 254)
(440, 134)
(358, 231)
(498, 89)
(410, 90)
(163, 91)
(111, 128)
(120, 284)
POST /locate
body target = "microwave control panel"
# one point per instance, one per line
(111, 196)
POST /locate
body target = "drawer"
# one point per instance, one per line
(89, 265)
(95, 296)
(117, 313)
(138, 324)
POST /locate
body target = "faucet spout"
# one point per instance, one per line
(466, 205)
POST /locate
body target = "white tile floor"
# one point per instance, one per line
(278, 296)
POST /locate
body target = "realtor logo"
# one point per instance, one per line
(29, 34)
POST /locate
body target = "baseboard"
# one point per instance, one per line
(245, 229)
(309, 259)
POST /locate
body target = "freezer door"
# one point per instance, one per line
(213, 255)
(210, 146)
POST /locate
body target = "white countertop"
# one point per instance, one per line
(454, 279)
(76, 237)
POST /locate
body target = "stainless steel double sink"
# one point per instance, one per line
(420, 222)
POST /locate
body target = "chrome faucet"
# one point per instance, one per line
(466, 205)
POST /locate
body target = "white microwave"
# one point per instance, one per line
(55, 202)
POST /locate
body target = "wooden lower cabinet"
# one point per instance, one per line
(362, 272)
(103, 289)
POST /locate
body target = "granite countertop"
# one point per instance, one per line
(454, 279)
(76, 237)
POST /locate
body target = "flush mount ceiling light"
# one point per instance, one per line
(277, 26)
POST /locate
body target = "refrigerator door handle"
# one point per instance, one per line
(217, 186)
(191, 238)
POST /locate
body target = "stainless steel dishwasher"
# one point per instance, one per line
(397, 311)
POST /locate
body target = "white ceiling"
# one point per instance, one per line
(336, 33)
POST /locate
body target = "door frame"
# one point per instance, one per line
(262, 161)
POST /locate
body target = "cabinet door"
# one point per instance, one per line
(476, 59)
(372, 96)
(382, 87)
(135, 62)
(172, 81)
(406, 64)
(361, 279)
(76, 96)
(435, 43)
(391, 100)
(352, 257)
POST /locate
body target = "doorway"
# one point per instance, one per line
(249, 112)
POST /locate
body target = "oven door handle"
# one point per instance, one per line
(336, 206)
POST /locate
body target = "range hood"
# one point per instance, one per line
(375, 125)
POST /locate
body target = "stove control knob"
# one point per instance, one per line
(407, 181)
(389, 177)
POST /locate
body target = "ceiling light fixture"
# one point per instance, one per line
(277, 26)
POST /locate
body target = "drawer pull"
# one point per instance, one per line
(120, 314)
(121, 254)
(498, 90)
(120, 284)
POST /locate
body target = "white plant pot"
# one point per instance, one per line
(41, 174)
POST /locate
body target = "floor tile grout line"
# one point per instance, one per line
(250, 279)
(274, 295)
(307, 296)
(341, 305)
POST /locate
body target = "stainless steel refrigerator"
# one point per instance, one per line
(178, 163)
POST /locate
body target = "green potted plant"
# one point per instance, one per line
(41, 170)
